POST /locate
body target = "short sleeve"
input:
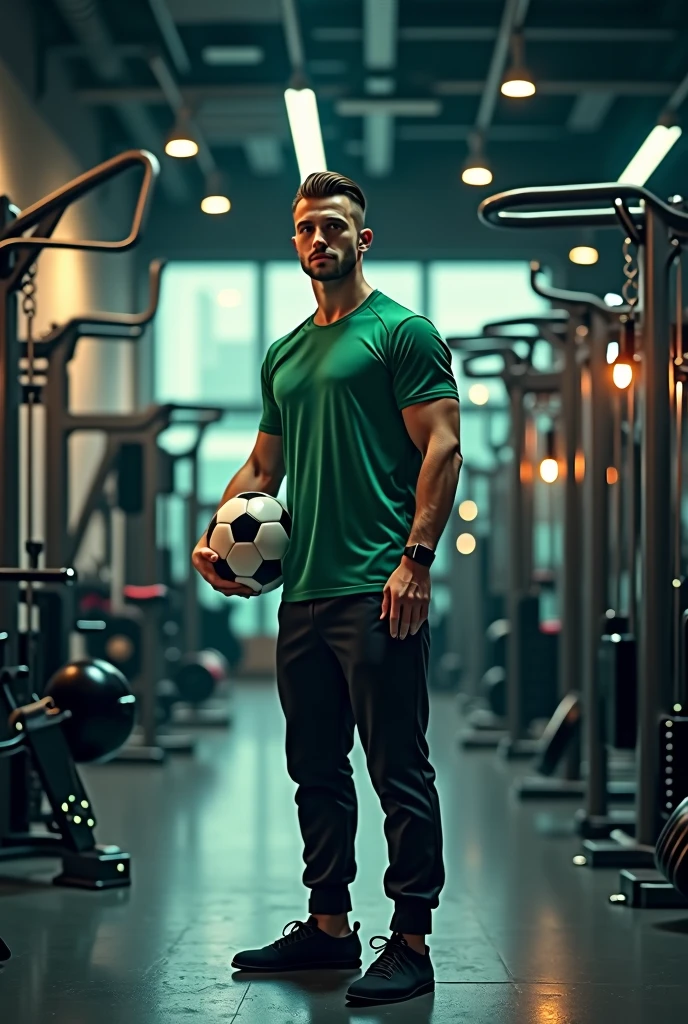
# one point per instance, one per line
(271, 420)
(421, 363)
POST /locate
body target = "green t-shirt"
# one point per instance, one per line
(335, 394)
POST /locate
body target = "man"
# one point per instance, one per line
(360, 410)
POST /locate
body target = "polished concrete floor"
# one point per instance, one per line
(521, 935)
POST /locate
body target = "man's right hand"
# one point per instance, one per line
(203, 559)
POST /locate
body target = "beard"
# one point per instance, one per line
(332, 270)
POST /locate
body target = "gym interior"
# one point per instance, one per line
(523, 163)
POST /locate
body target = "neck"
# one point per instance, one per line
(338, 298)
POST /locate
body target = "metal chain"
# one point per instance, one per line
(630, 270)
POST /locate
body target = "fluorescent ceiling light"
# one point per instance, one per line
(651, 153)
(233, 56)
(302, 110)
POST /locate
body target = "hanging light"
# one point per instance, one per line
(518, 82)
(584, 255)
(215, 199)
(622, 370)
(181, 142)
(476, 170)
(549, 467)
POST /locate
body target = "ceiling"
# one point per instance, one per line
(401, 84)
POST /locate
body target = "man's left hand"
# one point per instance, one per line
(407, 598)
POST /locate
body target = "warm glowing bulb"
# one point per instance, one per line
(468, 510)
(584, 255)
(479, 394)
(476, 175)
(622, 374)
(612, 475)
(549, 470)
(465, 543)
(216, 204)
(612, 299)
(181, 148)
(518, 88)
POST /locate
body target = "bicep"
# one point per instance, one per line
(436, 420)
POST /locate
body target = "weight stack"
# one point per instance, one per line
(673, 747)
(619, 689)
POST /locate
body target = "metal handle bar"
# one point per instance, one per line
(538, 207)
(88, 324)
(38, 576)
(571, 298)
(510, 361)
(13, 235)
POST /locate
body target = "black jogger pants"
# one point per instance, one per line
(338, 667)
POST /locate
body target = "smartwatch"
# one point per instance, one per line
(419, 553)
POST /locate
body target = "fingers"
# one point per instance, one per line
(420, 614)
(385, 604)
(407, 608)
(203, 560)
(394, 613)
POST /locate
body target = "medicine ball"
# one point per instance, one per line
(102, 706)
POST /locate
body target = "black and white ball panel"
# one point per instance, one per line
(251, 533)
(272, 541)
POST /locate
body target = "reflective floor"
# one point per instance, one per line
(521, 935)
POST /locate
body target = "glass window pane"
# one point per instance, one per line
(463, 296)
(288, 298)
(401, 281)
(206, 337)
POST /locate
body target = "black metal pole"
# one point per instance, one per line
(570, 638)
(654, 604)
(597, 444)
(9, 442)
(515, 723)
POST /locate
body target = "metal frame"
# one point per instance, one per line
(653, 222)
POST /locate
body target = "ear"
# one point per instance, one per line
(365, 240)
(293, 240)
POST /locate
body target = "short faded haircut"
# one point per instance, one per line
(322, 184)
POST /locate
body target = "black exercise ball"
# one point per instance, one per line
(102, 705)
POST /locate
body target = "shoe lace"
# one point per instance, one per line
(294, 932)
(392, 955)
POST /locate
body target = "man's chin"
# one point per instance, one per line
(326, 271)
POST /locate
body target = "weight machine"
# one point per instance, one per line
(35, 758)
(657, 230)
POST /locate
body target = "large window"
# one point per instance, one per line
(217, 319)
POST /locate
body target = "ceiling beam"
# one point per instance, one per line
(392, 107)
(380, 33)
(498, 133)
(488, 33)
(590, 110)
(170, 33)
(193, 95)
(468, 87)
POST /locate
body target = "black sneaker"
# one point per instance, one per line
(304, 947)
(399, 973)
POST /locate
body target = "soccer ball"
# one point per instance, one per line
(250, 533)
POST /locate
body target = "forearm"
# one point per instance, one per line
(251, 478)
(435, 492)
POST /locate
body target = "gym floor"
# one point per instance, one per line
(521, 935)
